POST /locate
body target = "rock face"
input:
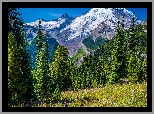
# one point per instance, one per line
(70, 32)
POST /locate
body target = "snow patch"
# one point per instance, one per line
(49, 24)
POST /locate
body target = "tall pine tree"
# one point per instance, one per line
(41, 74)
(61, 79)
(22, 68)
(13, 76)
(118, 56)
(136, 46)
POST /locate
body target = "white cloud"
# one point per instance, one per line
(55, 14)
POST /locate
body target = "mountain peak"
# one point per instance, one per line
(65, 15)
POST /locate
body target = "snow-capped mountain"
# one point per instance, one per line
(70, 31)
(84, 24)
(49, 27)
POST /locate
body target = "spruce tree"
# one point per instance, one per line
(134, 68)
(22, 66)
(101, 66)
(136, 46)
(41, 73)
(13, 76)
(72, 73)
(61, 79)
(131, 37)
(88, 70)
(118, 57)
(46, 70)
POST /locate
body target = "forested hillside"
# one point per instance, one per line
(121, 61)
(91, 44)
(52, 43)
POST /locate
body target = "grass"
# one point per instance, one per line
(128, 95)
(88, 49)
(78, 55)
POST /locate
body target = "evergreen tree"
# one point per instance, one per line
(85, 70)
(118, 68)
(41, 74)
(131, 37)
(133, 68)
(60, 70)
(102, 70)
(13, 76)
(46, 70)
(136, 46)
(22, 66)
(72, 73)
(74, 79)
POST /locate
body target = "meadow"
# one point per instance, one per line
(126, 95)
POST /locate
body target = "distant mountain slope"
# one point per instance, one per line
(71, 32)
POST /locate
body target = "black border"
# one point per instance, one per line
(6, 5)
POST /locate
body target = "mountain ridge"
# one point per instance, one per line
(70, 32)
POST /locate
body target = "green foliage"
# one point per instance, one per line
(13, 74)
(60, 74)
(136, 69)
(133, 68)
(137, 45)
(88, 49)
(41, 73)
(39, 40)
(80, 53)
(91, 44)
(118, 64)
(19, 79)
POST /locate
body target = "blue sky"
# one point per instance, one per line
(33, 14)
